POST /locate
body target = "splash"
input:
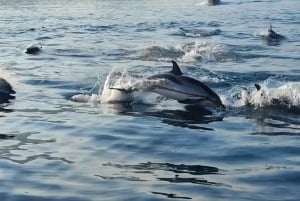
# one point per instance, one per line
(107, 95)
(207, 52)
(274, 94)
(116, 80)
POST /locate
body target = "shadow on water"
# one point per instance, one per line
(20, 140)
(149, 167)
(159, 170)
(188, 117)
(171, 195)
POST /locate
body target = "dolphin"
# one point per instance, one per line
(33, 49)
(175, 85)
(272, 34)
(6, 91)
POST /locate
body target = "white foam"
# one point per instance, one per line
(270, 94)
(122, 81)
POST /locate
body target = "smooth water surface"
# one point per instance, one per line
(55, 148)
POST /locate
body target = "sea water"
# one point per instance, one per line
(68, 136)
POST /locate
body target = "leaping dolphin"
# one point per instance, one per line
(175, 85)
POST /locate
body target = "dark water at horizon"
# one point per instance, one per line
(52, 148)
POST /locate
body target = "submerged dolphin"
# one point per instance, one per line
(176, 86)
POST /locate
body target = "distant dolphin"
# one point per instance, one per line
(33, 49)
(272, 34)
(6, 91)
(176, 86)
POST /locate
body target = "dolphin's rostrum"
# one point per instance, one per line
(175, 85)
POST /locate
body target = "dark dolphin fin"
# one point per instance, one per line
(257, 86)
(176, 70)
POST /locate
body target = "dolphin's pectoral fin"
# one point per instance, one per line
(176, 70)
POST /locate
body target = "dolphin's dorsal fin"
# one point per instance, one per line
(176, 70)
(271, 28)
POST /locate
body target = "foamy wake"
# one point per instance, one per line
(281, 95)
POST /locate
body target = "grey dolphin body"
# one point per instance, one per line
(6, 91)
(182, 88)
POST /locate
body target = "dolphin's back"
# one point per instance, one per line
(198, 84)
